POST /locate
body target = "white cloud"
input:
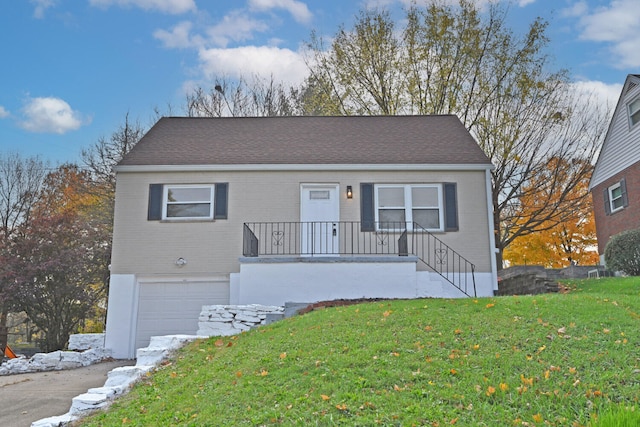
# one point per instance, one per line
(3, 112)
(297, 9)
(577, 9)
(603, 94)
(179, 36)
(616, 24)
(50, 115)
(173, 7)
(283, 64)
(234, 27)
(41, 7)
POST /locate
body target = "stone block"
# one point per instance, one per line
(86, 341)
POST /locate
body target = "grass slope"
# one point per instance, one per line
(556, 359)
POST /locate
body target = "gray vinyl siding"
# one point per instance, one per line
(146, 247)
(621, 147)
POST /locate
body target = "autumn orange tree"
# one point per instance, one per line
(567, 236)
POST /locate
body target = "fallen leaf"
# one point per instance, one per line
(490, 390)
(283, 355)
(489, 305)
(504, 387)
(219, 343)
(537, 418)
(324, 397)
(264, 373)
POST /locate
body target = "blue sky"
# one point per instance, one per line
(72, 69)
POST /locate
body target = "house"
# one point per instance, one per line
(615, 183)
(295, 209)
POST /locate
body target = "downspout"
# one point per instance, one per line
(492, 236)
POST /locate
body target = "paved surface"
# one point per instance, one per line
(25, 398)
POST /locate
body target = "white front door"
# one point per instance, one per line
(320, 216)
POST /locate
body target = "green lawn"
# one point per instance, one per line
(569, 359)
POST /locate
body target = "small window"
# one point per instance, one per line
(634, 111)
(616, 198)
(399, 206)
(188, 202)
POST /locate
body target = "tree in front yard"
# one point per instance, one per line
(463, 59)
(20, 182)
(569, 236)
(58, 260)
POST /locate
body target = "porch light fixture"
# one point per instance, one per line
(181, 262)
(349, 192)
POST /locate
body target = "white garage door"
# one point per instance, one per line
(167, 308)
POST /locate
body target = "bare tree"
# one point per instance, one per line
(458, 60)
(240, 98)
(101, 157)
(20, 183)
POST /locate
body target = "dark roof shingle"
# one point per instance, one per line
(307, 140)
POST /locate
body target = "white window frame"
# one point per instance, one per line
(612, 206)
(408, 205)
(166, 202)
(634, 111)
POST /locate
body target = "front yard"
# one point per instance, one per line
(567, 359)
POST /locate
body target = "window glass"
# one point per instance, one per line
(392, 219)
(319, 195)
(186, 194)
(399, 206)
(424, 196)
(188, 201)
(615, 197)
(427, 218)
(390, 197)
(634, 111)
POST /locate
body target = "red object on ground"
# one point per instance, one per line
(9, 353)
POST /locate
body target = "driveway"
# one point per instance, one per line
(30, 397)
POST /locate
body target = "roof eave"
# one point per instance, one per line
(300, 167)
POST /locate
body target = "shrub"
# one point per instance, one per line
(623, 252)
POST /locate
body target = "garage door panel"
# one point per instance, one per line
(166, 308)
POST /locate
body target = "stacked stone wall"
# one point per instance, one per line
(226, 320)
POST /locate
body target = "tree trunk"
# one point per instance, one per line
(3, 331)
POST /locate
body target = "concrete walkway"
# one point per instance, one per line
(25, 398)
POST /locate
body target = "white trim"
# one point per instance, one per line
(303, 167)
(492, 234)
(408, 203)
(631, 113)
(166, 203)
(610, 190)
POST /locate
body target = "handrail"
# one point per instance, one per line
(444, 260)
(348, 238)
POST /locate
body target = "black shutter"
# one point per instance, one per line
(367, 208)
(450, 207)
(607, 205)
(221, 198)
(155, 202)
(623, 190)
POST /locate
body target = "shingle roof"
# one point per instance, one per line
(307, 140)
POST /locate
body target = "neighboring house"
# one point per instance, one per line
(295, 209)
(615, 183)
